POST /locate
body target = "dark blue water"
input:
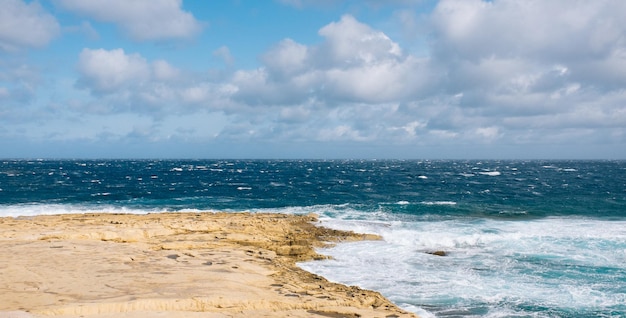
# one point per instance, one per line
(479, 188)
(524, 238)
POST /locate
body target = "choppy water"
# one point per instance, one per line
(523, 238)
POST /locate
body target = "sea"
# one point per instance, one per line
(514, 238)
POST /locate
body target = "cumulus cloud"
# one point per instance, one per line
(491, 77)
(512, 39)
(140, 19)
(25, 25)
(354, 63)
(164, 71)
(287, 59)
(349, 41)
(348, 87)
(554, 31)
(529, 62)
(105, 71)
(128, 82)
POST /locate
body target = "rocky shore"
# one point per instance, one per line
(174, 265)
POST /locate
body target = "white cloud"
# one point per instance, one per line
(544, 31)
(487, 134)
(287, 59)
(503, 72)
(295, 114)
(105, 71)
(529, 64)
(128, 82)
(341, 132)
(354, 63)
(25, 25)
(197, 94)
(163, 71)
(379, 82)
(140, 19)
(350, 42)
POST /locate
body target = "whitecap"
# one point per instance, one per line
(101, 194)
(491, 173)
(26, 210)
(438, 202)
(488, 264)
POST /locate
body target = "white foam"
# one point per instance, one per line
(438, 202)
(52, 209)
(489, 262)
(491, 173)
(335, 213)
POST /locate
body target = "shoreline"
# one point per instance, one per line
(174, 265)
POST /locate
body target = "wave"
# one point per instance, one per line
(573, 265)
(438, 202)
(35, 209)
(340, 211)
(491, 173)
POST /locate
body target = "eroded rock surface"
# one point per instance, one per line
(174, 265)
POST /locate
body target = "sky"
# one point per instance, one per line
(313, 79)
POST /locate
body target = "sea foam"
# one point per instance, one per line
(34, 209)
(491, 268)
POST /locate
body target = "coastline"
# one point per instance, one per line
(174, 265)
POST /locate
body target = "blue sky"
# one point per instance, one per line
(512, 79)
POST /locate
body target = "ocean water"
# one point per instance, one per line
(521, 238)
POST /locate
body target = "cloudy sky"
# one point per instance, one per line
(313, 79)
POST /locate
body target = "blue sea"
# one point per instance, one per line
(521, 238)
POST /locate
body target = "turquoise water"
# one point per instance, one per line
(522, 238)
